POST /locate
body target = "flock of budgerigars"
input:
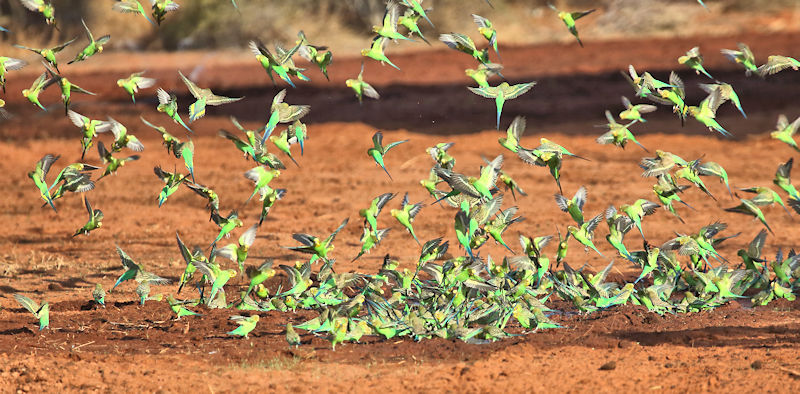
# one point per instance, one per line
(467, 296)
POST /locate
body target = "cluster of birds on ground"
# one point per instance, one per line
(470, 297)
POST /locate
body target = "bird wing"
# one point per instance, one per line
(248, 237)
(27, 303)
(193, 88)
(518, 90)
(754, 249)
(335, 232)
(488, 92)
(517, 128)
(163, 97)
(127, 261)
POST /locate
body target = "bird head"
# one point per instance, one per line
(120, 82)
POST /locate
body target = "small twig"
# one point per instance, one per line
(80, 346)
(791, 372)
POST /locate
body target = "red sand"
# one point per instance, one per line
(734, 348)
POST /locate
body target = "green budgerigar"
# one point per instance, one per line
(378, 150)
(48, 54)
(246, 325)
(94, 46)
(501, 93)
(95, 219)
(40, 311)
(406, 214)
(134, 82)
(569, 19)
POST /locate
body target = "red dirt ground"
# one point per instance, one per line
(734, 348)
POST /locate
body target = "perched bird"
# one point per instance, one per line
(501, 93)
(246, 325)
(204, 97)
(463, 43)
(319, 56)
(694, 60)
(48, 54)
(133, 7)
(569, 19)
(378, 151)
(112, 163)
(39, 174)
(362, 88)
(784, 131)
(742, 56)
(161, 7)
(375, 51)
(39, 85)
(291, 336)
(95, 219)
(168, 104)
(778, 63)
(41, 312)
(134, 82)
(238, 252)
(314, 246)
(406, 214)
(487, 30)
(99, 295)
(44, 7)
(94, 46)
